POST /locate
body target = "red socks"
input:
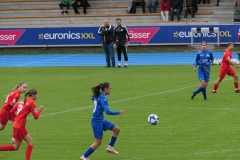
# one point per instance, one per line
(236, 85)
(28, 152)
(7, 148)
(215, 87)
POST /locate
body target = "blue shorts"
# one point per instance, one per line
(100, 126)
(203, 76)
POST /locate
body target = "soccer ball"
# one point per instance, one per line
(217, 61)
(153, 119)
(236, 61)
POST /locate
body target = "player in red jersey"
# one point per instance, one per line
(11, 99)
(227, 69)
(22, 109)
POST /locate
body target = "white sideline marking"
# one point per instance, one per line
(80, 108)
(188, 154)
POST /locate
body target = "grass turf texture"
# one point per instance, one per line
(188, 129)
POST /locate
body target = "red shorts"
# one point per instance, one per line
(229, 71)
(5, 115)
(19, 134)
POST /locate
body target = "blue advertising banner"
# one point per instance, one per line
(87, 36)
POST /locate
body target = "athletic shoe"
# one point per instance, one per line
(125, 66)
(13, 141)
(205, 98)
(66, 12)
(214, 92)
(193, 19)
(237, 91)
(119, 66)
(193, 95)
(111, 150)
(108, 67)
(77, 13)
(62, 12)
(83, 158)
(184, 19)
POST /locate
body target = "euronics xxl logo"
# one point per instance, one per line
(10, 37)
(66, 35)
(188, 34)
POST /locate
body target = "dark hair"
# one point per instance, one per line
(19, 85)
(96, 89)
(29, 94)
(230, 43)
(203, 42)
(118, 19)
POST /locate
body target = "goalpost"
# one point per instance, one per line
(206, 30)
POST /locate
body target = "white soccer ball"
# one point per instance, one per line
(153, 119)
(217, 61)
(236, 61)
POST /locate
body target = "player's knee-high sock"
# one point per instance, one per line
(88, 152)
(215, 87)
(112, 141)
(204, 93)
(236, 85)
(7, 148)
(198, 90)
(28, 152)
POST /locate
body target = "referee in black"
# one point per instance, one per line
(120, 33)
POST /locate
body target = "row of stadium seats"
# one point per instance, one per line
(46, 12)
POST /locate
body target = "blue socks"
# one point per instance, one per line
(203, 90)
(204, 93)
(198, 90)
(88, 152)
(112, 141)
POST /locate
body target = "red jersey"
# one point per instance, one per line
(226, 56)
(23, 111)
(11, 99)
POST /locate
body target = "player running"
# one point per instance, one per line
(99, 124)
(227, 69)
(204, 59)
(23, 108)
(11, 99)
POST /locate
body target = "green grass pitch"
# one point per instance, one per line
(188, 129)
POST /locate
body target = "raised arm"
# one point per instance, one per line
(34, 113)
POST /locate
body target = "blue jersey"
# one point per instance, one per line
(204, 60)
(100, 105)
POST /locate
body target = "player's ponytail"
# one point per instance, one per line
(96, 89)
(29, 94)
(19, 85)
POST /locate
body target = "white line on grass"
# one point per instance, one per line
(146, 95)
(188, 154)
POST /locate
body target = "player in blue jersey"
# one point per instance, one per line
(204, 59)
(99, 124)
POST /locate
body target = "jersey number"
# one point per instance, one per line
(7, 98)
(94, 106)
(20, 107)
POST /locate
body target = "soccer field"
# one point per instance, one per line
(188, 129)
